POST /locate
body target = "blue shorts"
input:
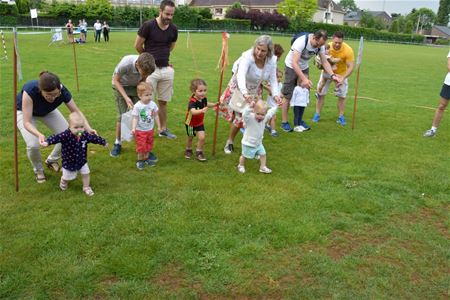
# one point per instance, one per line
(250, 152)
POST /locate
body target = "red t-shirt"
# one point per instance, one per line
(194, 103)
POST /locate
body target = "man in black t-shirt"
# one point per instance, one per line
(158, 37)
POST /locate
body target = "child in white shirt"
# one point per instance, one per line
(252, 147)
(145, 115)
(271, 124)
(300, 100)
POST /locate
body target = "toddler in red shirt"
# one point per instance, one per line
(197, 107)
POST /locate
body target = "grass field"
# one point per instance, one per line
(345, 214)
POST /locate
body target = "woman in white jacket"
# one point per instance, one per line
(256, 65)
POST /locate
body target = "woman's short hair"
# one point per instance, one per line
(48, 81)
(265, 40)
(146, 62)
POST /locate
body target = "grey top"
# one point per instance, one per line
(126, 69)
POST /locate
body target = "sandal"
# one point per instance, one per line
(40, 176)
(88, 191)
(53, 165)
(63, 185)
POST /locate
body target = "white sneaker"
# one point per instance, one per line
(430, 133)
(299, 128)
(241, 169)
(228, 148)
(265, 169)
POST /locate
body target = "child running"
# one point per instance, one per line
(300, 100)
(145, 114)
(252, 146)
(271, 124)
(197, 107)
(74, 142)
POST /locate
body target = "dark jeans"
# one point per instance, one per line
(298, 115)
(106, 35)
(97, 35)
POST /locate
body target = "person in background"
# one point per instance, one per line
(98, 30)
(105, 29)
(443, 103)
(158, 37)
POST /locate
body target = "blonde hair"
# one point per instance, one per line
(195, 83)
(142, 87)
(260, 106)
(75, 117)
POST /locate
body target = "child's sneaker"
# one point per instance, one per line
(150, 163)
(268, 128)
(430, 133)
(298, 128)
(140, 164)
(286, 126)
(241, 169)
(88, 191)
(304, 126)
(316, 118)
(200, 156)
(265, 170)
(274, 133)
(63, 185)
(341, 121)
(228, 148)
(152, 157)
(188, 153)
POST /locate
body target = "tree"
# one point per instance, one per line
(99, 9)
(301, 9)
(236, 13)
(23, 6)
(205, 13)
(367, 20)
(348, 5)
(235, 5)
(395, 26)
(443, 12)
(422, 18)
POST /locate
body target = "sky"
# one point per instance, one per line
(397, 6)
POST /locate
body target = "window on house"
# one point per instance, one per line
(219, 11)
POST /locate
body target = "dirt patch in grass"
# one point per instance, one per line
(174, 279)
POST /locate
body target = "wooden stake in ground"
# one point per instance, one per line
(358, 65)
(76, 67)
(16, 159)
(223, 61)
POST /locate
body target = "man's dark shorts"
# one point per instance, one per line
(290, 81)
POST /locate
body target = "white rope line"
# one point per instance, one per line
(5, 57)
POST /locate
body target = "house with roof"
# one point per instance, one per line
(327, 10)
(442, 32)
(353, 18)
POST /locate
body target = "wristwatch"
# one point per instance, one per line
(331, 76)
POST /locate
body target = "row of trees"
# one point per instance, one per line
(258, 20)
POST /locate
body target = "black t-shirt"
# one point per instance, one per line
(42, 107)
(158, 41)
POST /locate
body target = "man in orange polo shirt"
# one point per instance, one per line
(338, 49)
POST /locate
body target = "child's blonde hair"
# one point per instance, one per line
(75, 117)
(142, 87)
(260, 106)
(195, 83)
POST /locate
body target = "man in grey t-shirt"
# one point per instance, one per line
(131, 70)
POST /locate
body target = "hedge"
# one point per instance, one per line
(225, 24)
(357, 32)
(8, 10)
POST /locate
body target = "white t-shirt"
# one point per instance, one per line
(146, 114)
(270, 101)
(300, 97)
(306, 53)
(98, 26)
(447, 78)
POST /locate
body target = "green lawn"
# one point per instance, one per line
(345, 214)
